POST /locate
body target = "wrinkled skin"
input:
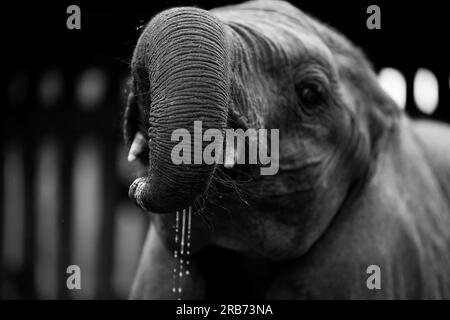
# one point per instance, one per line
(359, 183)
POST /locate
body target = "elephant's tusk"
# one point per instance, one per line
(230, 158)
(137, 146)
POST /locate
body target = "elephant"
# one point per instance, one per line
(360, 184)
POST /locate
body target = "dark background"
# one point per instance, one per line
(36, 43)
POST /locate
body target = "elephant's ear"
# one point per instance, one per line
(374, 109)
(131, 115)
(382, 114)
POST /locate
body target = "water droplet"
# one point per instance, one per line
(183, 250)
(183, 227)
(176, 280)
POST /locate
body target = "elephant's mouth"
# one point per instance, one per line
(226, 177)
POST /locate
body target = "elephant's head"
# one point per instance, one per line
(262, 64)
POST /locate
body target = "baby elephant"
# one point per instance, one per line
(360, 204)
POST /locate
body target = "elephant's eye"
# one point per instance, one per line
(311, 94)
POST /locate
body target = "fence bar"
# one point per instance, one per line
(105, 265)
(65, 213)
(30, 217)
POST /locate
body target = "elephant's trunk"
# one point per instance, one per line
(183, 52)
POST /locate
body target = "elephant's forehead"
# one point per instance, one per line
(312, 45)
(292, 37)
(293, 32)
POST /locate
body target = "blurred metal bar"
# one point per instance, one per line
(27, 134)
(107, 236)
(110, 137)
(30, 201)
(47, 198)
(60, 119)
(65, 213)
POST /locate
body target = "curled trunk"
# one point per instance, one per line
(182, 56)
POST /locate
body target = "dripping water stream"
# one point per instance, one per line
(182, 250)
